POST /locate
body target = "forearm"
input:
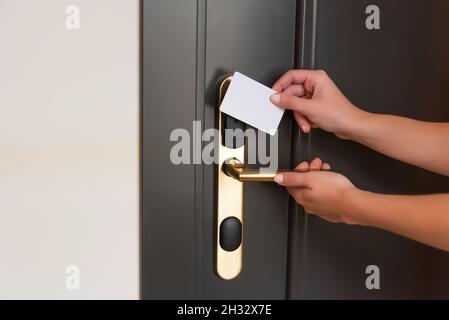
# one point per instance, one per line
(423, 144)
(421, 218)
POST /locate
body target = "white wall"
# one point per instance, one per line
(69, 168)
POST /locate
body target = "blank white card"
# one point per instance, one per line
(249, 101)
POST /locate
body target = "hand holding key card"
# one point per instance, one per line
(249, 101)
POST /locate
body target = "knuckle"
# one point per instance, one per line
(287, 179)
(290, 101)
(321, 75)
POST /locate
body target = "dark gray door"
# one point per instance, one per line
(188, 46)
(401, 69)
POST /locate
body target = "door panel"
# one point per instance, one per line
(203, 41)
(400, 69)
(69, 145)
(237, 34)
(169, 102)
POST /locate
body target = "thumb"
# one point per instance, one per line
(291, 102)
(293, 179)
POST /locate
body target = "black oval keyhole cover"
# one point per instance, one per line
(230, 234)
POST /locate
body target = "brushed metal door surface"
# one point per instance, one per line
(69, 149)
(401, 69)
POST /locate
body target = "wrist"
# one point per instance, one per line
(354, 200)
(358, 125)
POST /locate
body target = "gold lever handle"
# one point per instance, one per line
(237, 170)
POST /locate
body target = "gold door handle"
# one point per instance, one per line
(237, 170)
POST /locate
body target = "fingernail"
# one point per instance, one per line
(279, 179)
(275, 98)
(304, 128)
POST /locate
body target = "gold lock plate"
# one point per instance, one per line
(229, 197)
